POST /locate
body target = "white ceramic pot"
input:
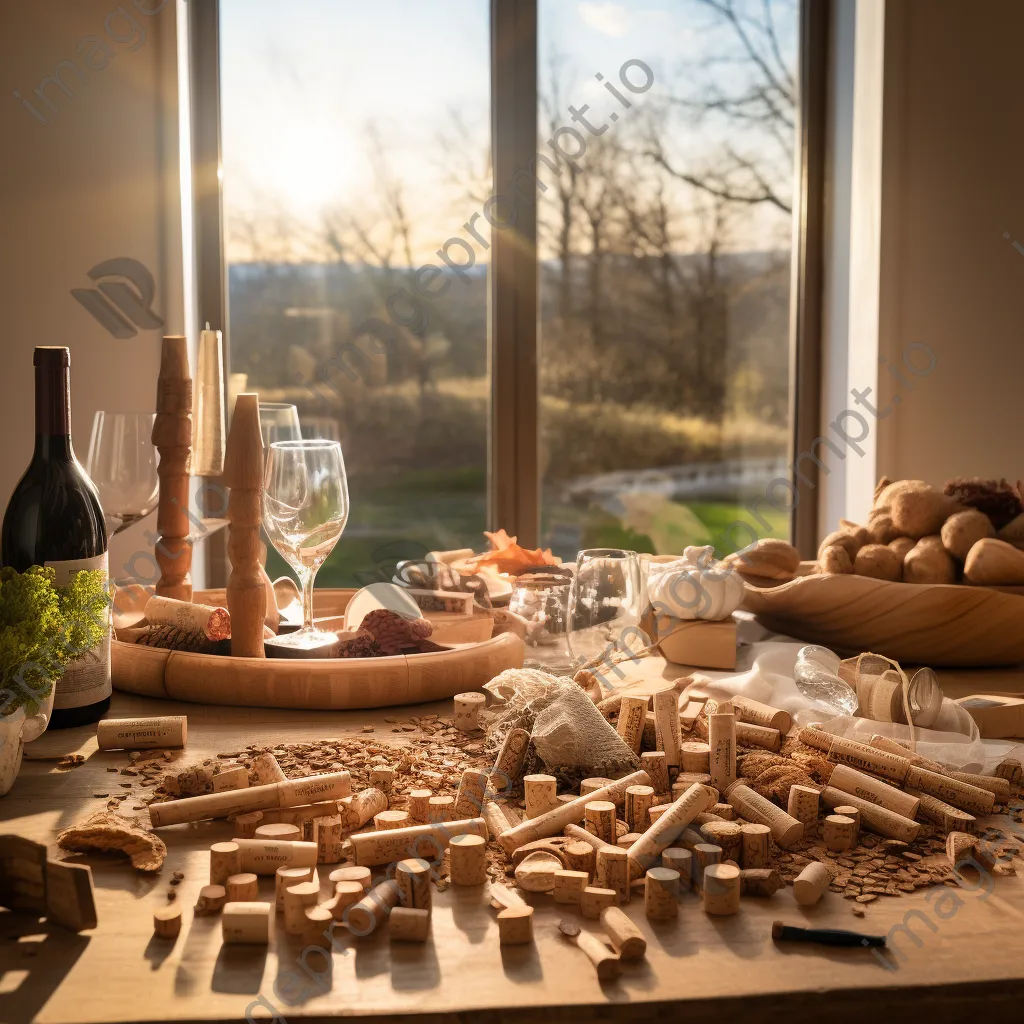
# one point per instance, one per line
(15, 731)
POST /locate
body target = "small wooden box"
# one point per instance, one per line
(701, 644)
(998, 715)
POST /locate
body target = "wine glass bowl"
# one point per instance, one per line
(122, 463)
(279, 421)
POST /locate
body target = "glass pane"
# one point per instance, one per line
(356, 145)
(665, 271)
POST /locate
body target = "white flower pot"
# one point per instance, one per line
(15, 731)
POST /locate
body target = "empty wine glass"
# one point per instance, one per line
(305, 508)
(279, 421)
(122, 464)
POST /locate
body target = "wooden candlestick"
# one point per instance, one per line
(243, 473)
(172, 437)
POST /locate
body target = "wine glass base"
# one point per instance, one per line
(304, 644)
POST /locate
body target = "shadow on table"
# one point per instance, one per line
(521, 963)
(414, 966)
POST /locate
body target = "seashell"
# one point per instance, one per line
(695, 586)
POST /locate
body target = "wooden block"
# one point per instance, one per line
(627, 940)
(387, 820)
(755, 845)
(594, 899)
(661, 894)
(296, 899)
(409, 925)
(211, 900)
(960, 845)
(702, 644)
(419, 802)
(383, 779)
(225, 860)
(811, 883)
(721, 895)
(68, 896)
(167, 921)
(467, 710)
(467, 860)
(632, 717)
(541, 792)
(536, 872)
(689, 714)
(569, 886)
(612, 872)
(413, 878)
(246, 824)
(246, 923)
(242, 888)
(515, 926)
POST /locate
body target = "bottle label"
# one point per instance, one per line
(87, 679)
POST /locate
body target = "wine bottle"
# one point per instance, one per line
(54, 518)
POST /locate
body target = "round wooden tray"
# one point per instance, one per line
(315, 683)
(950, 625)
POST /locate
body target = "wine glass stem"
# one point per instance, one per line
(307, 579)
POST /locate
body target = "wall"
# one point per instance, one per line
(99, 180)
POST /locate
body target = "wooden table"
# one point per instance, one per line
(961, 954)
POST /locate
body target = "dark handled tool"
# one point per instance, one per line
(826, 936)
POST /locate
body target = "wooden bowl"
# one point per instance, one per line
(949, 625)
(320, 684)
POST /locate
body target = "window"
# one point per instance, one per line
(362, 234)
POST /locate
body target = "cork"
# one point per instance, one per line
(951, 791)
(242, 888)
(467, 711)
(316, 930)
(580, 856)
(755, 845)
(668, 736)
(574, 832)
(168, 732)
(627, 940)
(419, 802)
(509, 762)
(872, 817)
(600, 818)
(861, 756)
(760, 881)
(471, 796)
(167, 921)
(441, 809)
(426, 841)
(383, 779)
(704, 855)
(786, 830)
(849, 780)
(639, 800)
(655, 763)
(264, 857)
(301, 815)
(661, 894)
(267, 770)
(758, 736)
(541, 792)
(352, 874)
(722, 741)
(765, 715)
(296, 899)
(385, 821)
(838, 832)
(679, 860)
(330, 837)
(667, 828)
(999, 788)
(413, 878)
(594, 899)
(515, 926)
(853, 813)
(246, 824)
(372, 910)
(688, 839)
(345, 895)
(467, 860)
(726, 834)
(285, 877)
(279, 832)
(225, 860)
(959, 846)
(946, 816)
(655, 812)
(211, 900)
(1011, 770)
(802, 805)
(607, 964)
(895, 747)
(246, 923)
(612, 872)
(235, 777)
(632, 717)
(408, 924)
(569, 886)
(497, 823)
(592, 785)
(291, 793)
(811, 883)
(721, 895)
(695, 757)
(724, 811)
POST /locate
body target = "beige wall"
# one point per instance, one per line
(99, 181)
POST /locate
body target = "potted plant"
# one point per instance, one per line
(43, 628)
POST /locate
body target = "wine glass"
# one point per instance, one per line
(606, 601)
(122, 464)
(279, 421)
(305, 508)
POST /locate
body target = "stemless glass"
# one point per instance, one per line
(122, 464)
(279, 421)
(305, 508)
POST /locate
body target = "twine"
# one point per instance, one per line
(904, 687)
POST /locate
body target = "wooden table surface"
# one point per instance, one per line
(961, 954)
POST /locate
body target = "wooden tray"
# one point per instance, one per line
(916, 623)
(320, 684)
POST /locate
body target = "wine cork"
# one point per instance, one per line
(167, 921)
(951, 791)
(612, 872)
(467, 860)
(626, 841)
(639, 800)
(668, 736)
(679, 860)
(536, 871)
(373, 909)
(509, 762)
(191, 781)
(472, 794)
(811, 883)
(686, 779)
(242, 888)
(999, 788)
(655, 812)
(895, 747)
(413, 878)
(803, 805)
(290, 793)
(541, 792)
(419, 803)
(296, 899)
(574, 832)
(385, 821)
(263, 857)
(569, 886)
(167, 732)
(589, 786)
(467, 711)
(246, 824)
(352, 874)
(426, 841)
(277, 832)
(225, 860)
(408, 924)
(959, 846)
(632, 717)
(580, 856)
(726, 834)
(285, 877)
(706, 817)
(872, 817)
(857, 755)
(758, 736)
(649, 737)
(235, 777)
(721, 895)
(594, 899)
(627, 940)
(661, 894)
(600, 816)
(497, 823)
(655, 763)
(723, 811)
(755, 846)
(515, 926)
(383, 779)
(267, 770)
(722, 741)
(704, 855)
(695, 757)
(838, 832)
(760, 881)
(1011, 770)
(211, 900)
(440, 809)
(946, 816)
(246, 923)
(346, 894)
(765, 715)
(607, 964)
(316, 929)
(688, 839)
(849, 780)
(667, 828)
(786, 830)
(330, 838)
(853, 814)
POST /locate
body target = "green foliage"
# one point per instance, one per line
(43, 628)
